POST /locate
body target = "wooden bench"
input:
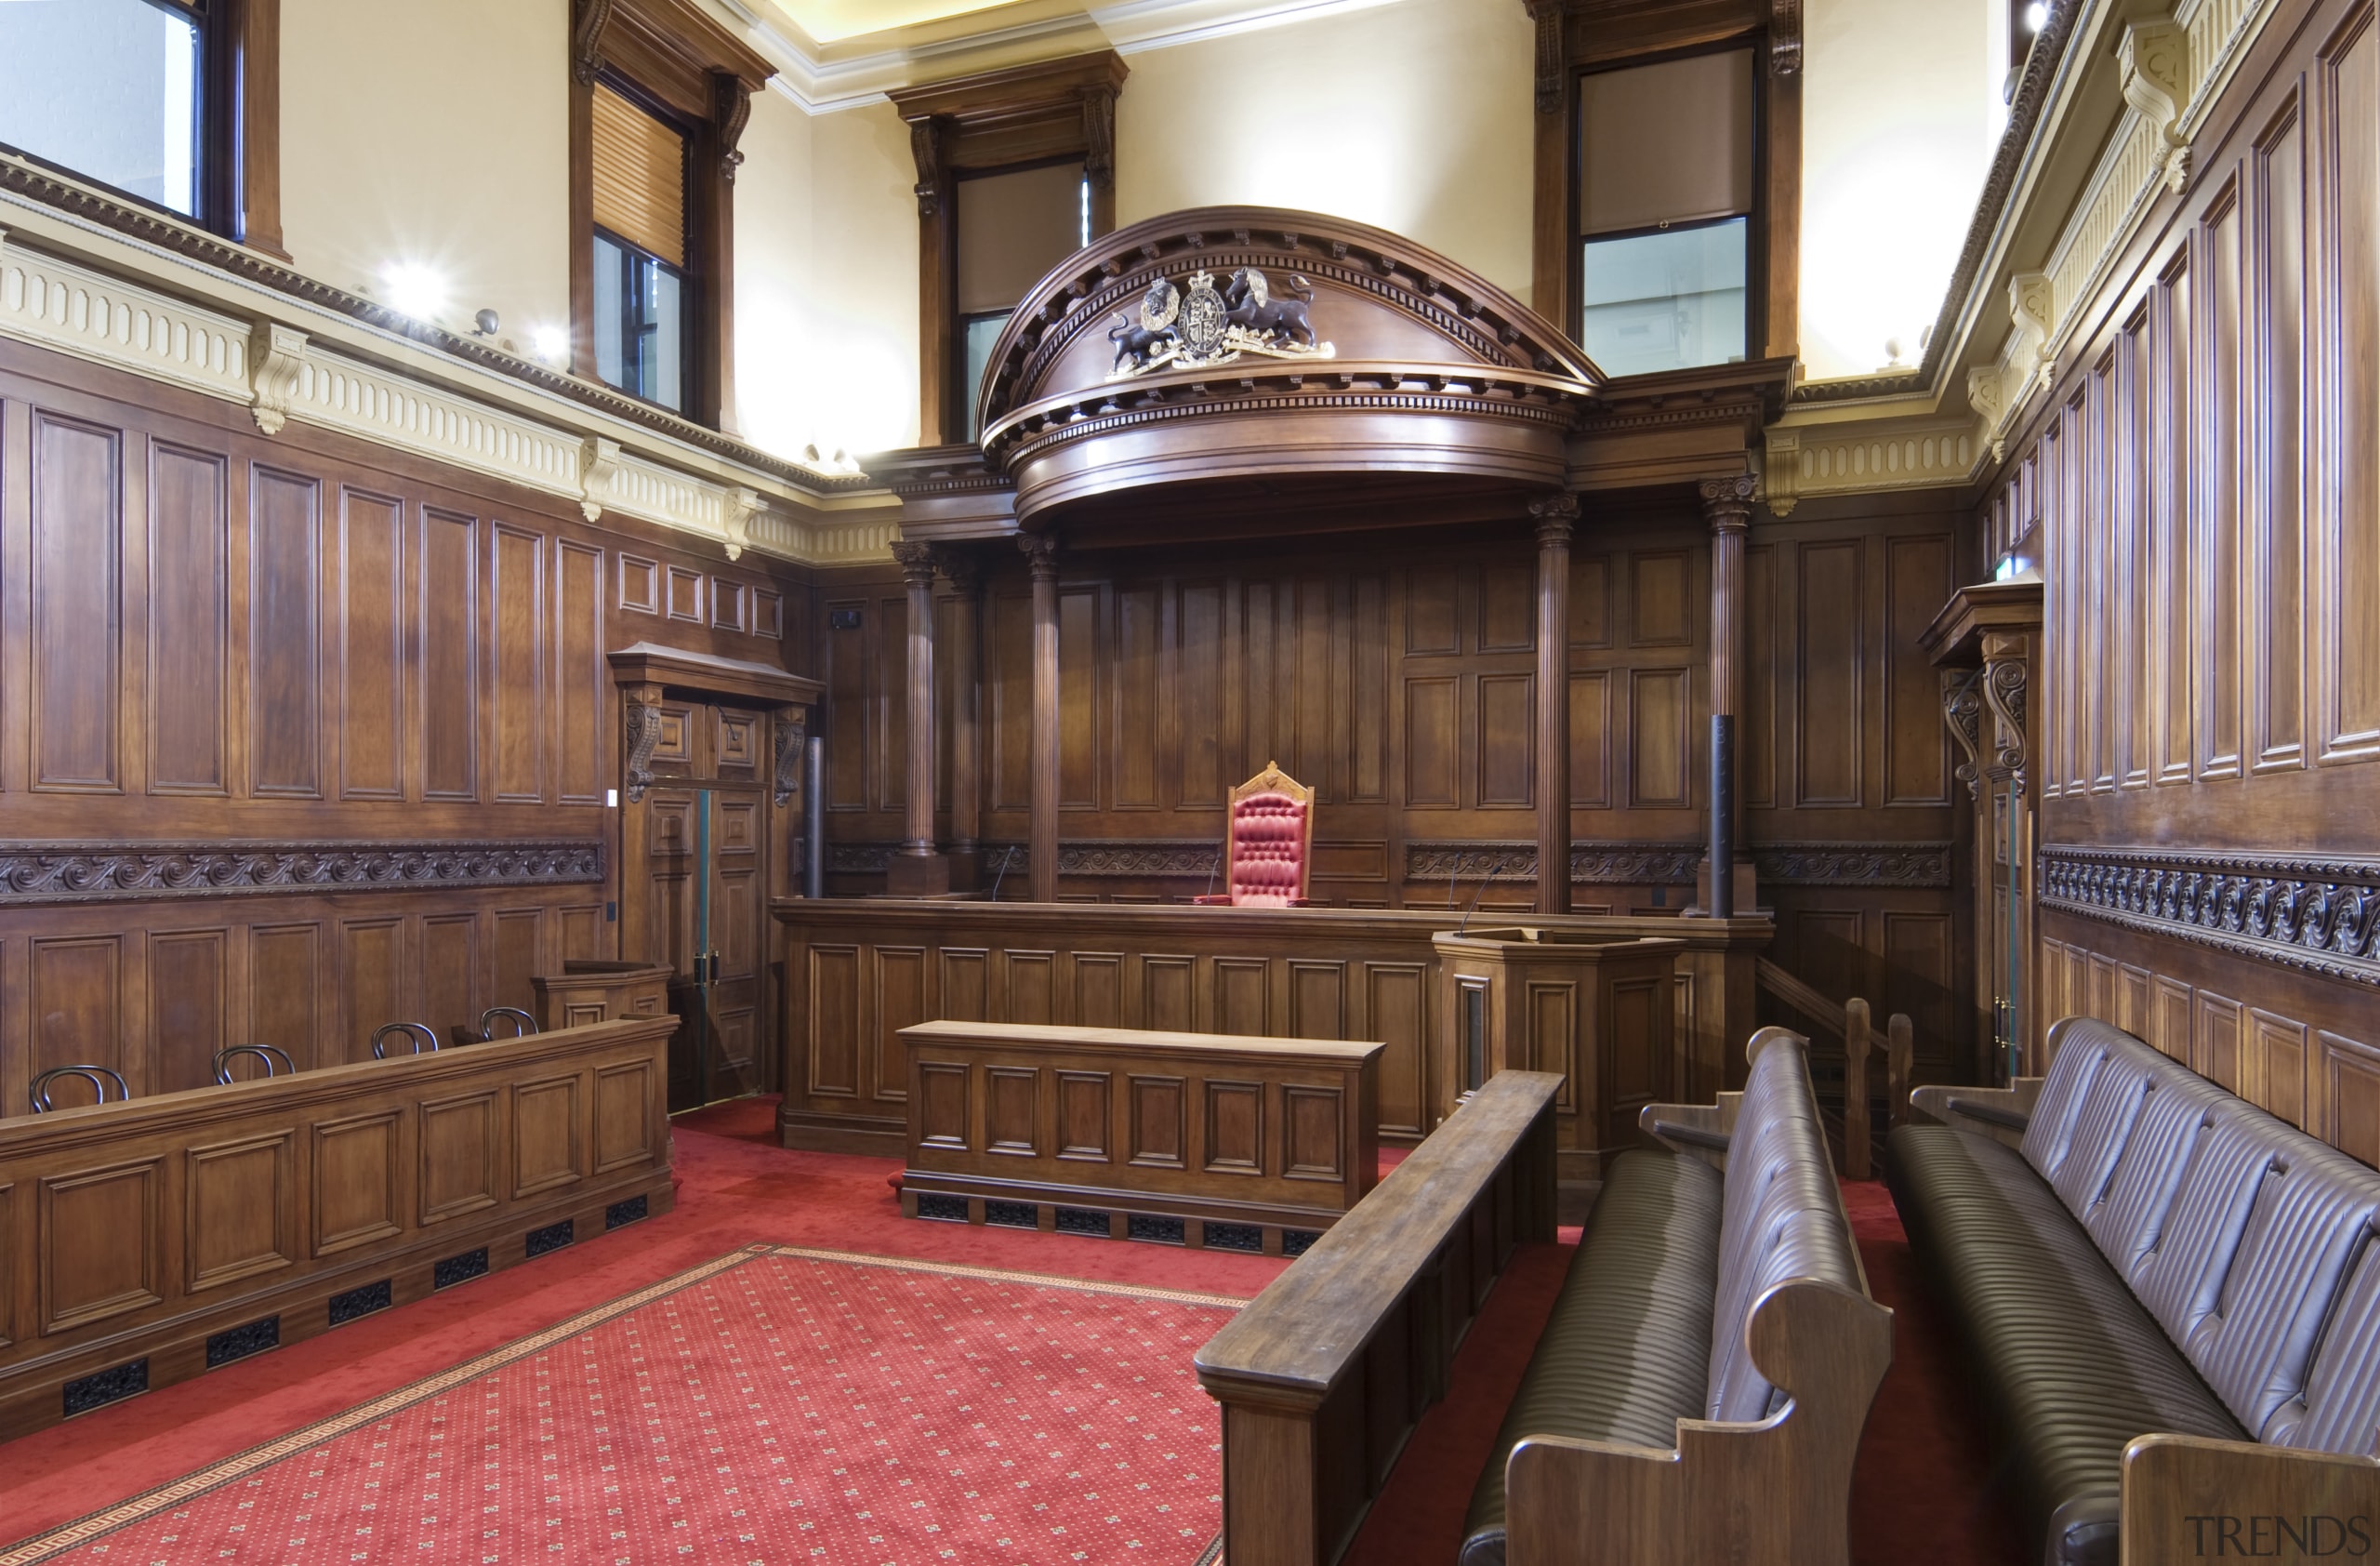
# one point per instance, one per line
(1324, 1375)
(1197, 1138)
(149, 1242)
(1702, 1382)
(2171, 1302)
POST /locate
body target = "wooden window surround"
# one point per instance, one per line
(686, 68)
(1577, 36)
(238, 194)
(998, 120)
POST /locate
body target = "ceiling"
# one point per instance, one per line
(828, 21)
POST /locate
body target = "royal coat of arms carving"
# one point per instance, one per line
(1197, 324)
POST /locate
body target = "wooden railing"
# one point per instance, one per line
(1324, 1374)
(1851, 1023)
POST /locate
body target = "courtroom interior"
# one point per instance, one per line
(1286, 782)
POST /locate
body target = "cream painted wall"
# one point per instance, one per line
(1414, 115)
(826, 281)
(442, 142)
(1899, 112)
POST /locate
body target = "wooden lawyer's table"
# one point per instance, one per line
(1195, 1138)
(857, 971)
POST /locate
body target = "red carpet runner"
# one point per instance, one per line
(774, 1404)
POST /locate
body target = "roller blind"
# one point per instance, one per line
(1012, 229)
(1665, 144)
(640, 170)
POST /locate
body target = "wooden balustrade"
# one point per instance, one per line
(148, 1241)
(1324, 1375)
(1854, 1024)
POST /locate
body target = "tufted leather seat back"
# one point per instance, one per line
(2340, 1408)
(2236, 1232)
(1781, 1218)
(2076, 1054)
(1267, 850)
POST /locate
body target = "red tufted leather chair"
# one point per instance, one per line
(1269, 843)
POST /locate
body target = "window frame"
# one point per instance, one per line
(686, 293)
(671, 60)
(238, 185)
(1571, 45)
(958, 396)
(1757, 254)
(998, 122)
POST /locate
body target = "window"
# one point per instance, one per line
(639, 251)
(112, 90)
(1013, 226)
(1665, 213)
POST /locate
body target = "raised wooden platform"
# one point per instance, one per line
(1186, 1138)
(858, 971)
(149, 1242)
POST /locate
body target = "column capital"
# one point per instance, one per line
(962, 568)
(1557, 515)
(917, 561)
(1726, 503)
(1040, 554)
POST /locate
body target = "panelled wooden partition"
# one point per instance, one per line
(1398, 677)
(302, 735)
(2201, 491)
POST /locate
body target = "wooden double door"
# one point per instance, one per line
(697, 853)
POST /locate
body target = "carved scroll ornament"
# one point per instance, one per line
(1962, 710)
(642, 715)
(792, 734)
(2003, 692)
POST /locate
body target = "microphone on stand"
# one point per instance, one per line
(1493, 871)
(1006, 855)
(1211, 872)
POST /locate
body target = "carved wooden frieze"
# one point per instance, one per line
(74, 872)
(1919, 865)
(2319, 915)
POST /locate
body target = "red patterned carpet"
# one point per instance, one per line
(772, 1405)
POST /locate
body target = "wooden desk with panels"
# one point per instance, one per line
(859, 971)
(147, 1241)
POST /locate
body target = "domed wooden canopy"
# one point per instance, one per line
(1254, 357)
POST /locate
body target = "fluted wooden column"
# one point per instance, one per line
(965, 575)
(1726, 505)
(1041, 555)
(1555, 514)
(917, 869)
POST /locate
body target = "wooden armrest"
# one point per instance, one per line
(2191, 1498)
(1219, 899)
(1773, 1494)
(1696, 1130)
(1692, 1135)
(2001, 1113)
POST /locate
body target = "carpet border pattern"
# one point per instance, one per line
(82, 1531)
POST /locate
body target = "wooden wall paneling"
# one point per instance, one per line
(449, 656)
(1504, 740)
(517, 663)
(2348, 672)
(1198, 679)
(75, 999)
(461, 1149)
(2277, 615)
(2214, 1051)
(240, 1209)
(2345, 1074)
(640, 584)
(545, 1134)
(685, 594)
(1660, 737)
(284, 641)
(1829, 722)
(2102, 611)
(2278, 1045)
(101, 1243)
(1079, 675)
(2217, 559)
(2137, 478)
(451, 990)
(1756, 748)
(292, 995)
(888, 704)
(1431, 748)
(188, 620)
(848, 712)
(1132, 719)
(190, 993)
(582, 727)
(371, 647)
(2171, 530)
(519, 952)
(76, 620)
(1918, 573)
(1368, 706)
(371, 984)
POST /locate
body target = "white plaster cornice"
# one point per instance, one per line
(109, 298)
